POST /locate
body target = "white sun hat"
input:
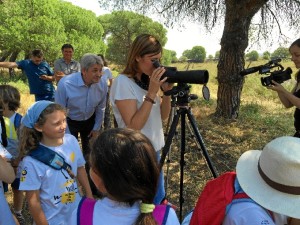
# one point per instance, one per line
(271, 177)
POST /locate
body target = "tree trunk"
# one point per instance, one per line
(233, 45)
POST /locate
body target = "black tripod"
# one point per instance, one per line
(183, 98)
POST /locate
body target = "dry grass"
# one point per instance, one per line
(261, 119)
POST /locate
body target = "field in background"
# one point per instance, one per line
(261, 119)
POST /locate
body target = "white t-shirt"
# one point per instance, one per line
(107, 74)
(249, 213)
(59, 193)
(109, 212)
(125, 88)
(6, 217)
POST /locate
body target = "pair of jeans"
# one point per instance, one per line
(160, 193)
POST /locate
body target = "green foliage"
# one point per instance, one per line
(217, 55)
(83, 29)
(281, 52)
(47, 25)
(252, 56)
(122, 27)
(266, 55)
(173, 55)
(196, 53)
(29, 25)
(182, 58)
(210, 57)
(167, 57)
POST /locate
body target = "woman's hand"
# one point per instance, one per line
(155, 81)
(276, 87)
(166, 86)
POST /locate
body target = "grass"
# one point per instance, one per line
(261, 119)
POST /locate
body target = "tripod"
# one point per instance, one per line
(183, 98)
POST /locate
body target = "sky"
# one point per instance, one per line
(180, 39)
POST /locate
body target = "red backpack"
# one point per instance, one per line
(86, 210)
(217, 195)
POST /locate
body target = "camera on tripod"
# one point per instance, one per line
(280, 75)
(191, 76)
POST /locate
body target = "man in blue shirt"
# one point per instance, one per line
(84, 95)
(39, 74)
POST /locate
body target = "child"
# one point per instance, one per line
(267, 182)
(10, 97)
(125, 170)
(7, 175)
(52, 194)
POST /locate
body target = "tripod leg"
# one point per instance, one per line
(182, 162)
(170, 119)
(200, 141)
(168, 141)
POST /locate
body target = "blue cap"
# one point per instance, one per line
(34, 112)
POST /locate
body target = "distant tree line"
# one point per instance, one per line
(280, 52)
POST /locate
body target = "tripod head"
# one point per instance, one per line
(181, 94)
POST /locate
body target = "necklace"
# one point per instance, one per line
(143, 83)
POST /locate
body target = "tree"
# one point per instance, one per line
(217, 55)
(237, 16)
(47, 25)
(27, 25)
(196, 53)
(168, 57)
(186, 53)
(122, 27)
(252, 56)
(266, 55)
(281, 52)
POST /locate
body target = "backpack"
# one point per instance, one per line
(86, 210)
(215, 200)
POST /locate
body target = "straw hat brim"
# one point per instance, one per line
(257, 189)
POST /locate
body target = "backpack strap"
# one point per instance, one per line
(17, 120)
(3, 132)
(85, 211)
(240, 195)
(51, 158)
(160, 214)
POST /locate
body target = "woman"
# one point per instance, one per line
(134, 96)
(290, 99)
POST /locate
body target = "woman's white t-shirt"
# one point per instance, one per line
(123, 88)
